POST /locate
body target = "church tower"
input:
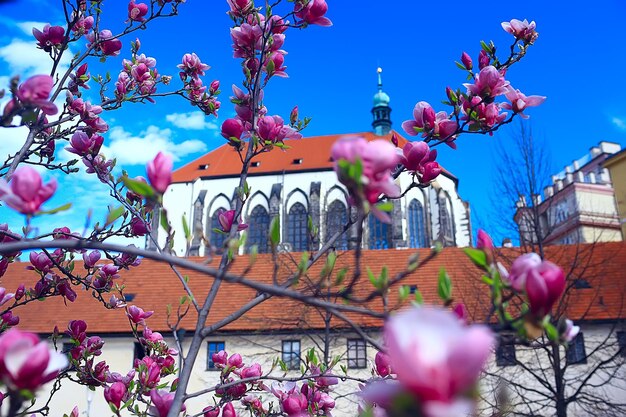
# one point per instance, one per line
(381, 110)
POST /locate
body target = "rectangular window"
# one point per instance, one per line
(213, 347)
(139, 352)
(576, 350)
(505, 353)
(621, 343)
(357, 354)
(291, 354)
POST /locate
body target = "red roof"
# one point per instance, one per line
(314, 153)
(601, 266)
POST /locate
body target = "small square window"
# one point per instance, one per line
(139, 352)
(255, 164)
(357, 354)
(213, 347)
(621, 343)
(576, 351)
(505, 352)
(291, 353)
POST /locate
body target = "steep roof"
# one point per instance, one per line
(601, 266)
(313, 153)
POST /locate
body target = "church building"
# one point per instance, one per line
(299, 183)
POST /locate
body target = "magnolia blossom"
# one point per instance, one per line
(383, 366)
(488, 83)
(115, 393)
(542, 281)
(519, 102)
(27, 363)
(137, 315)
(192, 66)
(295, 405)
(34, 92)
(83, 144)
(227, 218)
(106, 43)
(378, 158)
(436, 357)
(240, 8)
(26, 192)
(467, 61)
(438, 124)
(483, 59)
(229, 410)
(49, 37)
(232, 128)
(159, 172)
(313, 13)
(136, 12)
(521, 30)
(418, 158)
(485, 243)
(162, 402)
(570, 331)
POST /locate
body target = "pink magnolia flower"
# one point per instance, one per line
(247, 39)
(273, 129)
(137, 315)
(50, 36)
(34, 92)
(83, 25)
(91, 258)
(162, 402)
(519, 102)
(488, 83)
(544, 286)
(277, 59)
(383, 365)
(542, 281)
(235, 361)
(295, 405)
(239, 8)
(136, 12)
(232, 128)
(9, 320)
(83, 144)
(5, 296)
(478, 112)
(114, 394)
(107, 44)
(139, 227)
(252, 371)
(40, 261)
(229, 410)
(25, 362)
(570, 331)
(214, 86)
(159, 172)
(483, 59)
(521, 30)
(425, 118)
(226, 219)
(461, 312)
(437, 359)
(417, 157)
(192, 66)
(220, 358)
(378, 158)
(26, 192)
(485, 243)
(467, 61)
(313, 13)
(211, 411)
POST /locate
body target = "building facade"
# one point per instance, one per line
(299, 184)
(616, 164)
(578, 207)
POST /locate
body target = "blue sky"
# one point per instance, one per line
(578, 63)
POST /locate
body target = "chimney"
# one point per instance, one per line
(605, 178)
(568, 169)
(575, 165)
(595, 151)
(536, 199)
(580, 177)
(569, 178)
(506, 243)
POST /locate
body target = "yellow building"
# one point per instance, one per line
(616, 165)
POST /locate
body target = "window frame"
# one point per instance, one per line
(293, 362)
(620, 335)
(506, 354)
(257, 228)
(298, 227)
(416, 216)
(210, 365)
(216, 239)
(359, 347)
(379, 234)
(336, 218)
(576, 347)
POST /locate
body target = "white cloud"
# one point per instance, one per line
(132, 149)
(12, 140)
(195, 120)
(620, 123)
(23, 58)
(27, 27)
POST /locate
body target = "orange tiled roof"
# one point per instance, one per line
(314, 152)
(602, 266)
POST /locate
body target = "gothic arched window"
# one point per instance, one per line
(297, 230)
(336, 219)
(258, 227)
(217, 239)
(380, 233)
(446, 221)
(417, 226)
